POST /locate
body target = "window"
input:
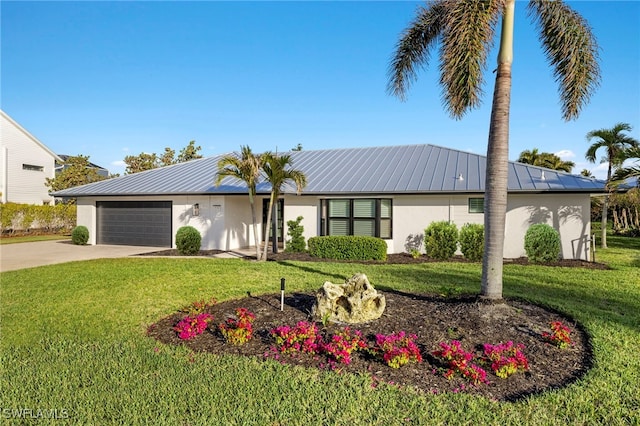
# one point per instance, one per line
(476, 205)
(32, 168)
(356, 216)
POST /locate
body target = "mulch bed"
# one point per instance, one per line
(433, 319)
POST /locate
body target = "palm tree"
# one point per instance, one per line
(465, 30)
(545, 159)
(586, 173)
(552, 161)
(529, 157)
(278, 171)
(633, 171)
(614, 142)
(246, 168)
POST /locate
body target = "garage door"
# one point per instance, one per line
(134, 223)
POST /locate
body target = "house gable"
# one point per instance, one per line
(25, 164)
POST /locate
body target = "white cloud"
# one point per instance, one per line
(118, 163)
(565, 154)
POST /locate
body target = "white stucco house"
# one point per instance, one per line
(391, 192)
(25, 163)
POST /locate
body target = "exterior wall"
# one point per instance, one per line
(225, 221)
(569, 214)
(308, 208)
(18, 147)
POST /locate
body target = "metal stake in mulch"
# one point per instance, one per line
(282, 294)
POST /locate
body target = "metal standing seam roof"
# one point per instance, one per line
(406, 169)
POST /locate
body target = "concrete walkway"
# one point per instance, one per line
(28, 255)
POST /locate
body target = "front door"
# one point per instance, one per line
(278, 214)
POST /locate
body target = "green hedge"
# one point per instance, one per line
(188, 241)
(24, 217)
(80, 235)
(542, 243)
(441, 240)
(348, 248)
(472, 241)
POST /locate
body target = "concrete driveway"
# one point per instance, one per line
(29, 255)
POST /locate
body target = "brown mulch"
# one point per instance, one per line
(433, 319)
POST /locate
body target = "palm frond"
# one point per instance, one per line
(466, 40)
(413, 48)
(572, 51)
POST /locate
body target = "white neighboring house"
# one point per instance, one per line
(391, 192)
(25, 162)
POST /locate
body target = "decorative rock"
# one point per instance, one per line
(355, 301)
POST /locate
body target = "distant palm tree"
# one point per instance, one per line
(465, 30)
(278, 171)
(633, 171)
(614, 142)
(586, 173)
(529, 157)
(545, 159)
(246, 168)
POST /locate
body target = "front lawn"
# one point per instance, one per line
(74, 346)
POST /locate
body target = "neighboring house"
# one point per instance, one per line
(391, 192)
(25, 163)
(61, 166)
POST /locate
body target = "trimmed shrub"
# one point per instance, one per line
(80, 235)
(188, 241)
(441, 240)
(472, 241)
(542, 243)
(354, 247)
(297, 243)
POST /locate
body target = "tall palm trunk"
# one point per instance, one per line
(268, 226)
(605, 208)
(256, 239)
(495, 202)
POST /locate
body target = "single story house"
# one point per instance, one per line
(391, 192)
(25, 163)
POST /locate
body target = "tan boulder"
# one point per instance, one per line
(355, 301)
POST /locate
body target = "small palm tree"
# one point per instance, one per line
(246, 168)
(465, 30)
(633, 171)
(278, 171)
(614, 141)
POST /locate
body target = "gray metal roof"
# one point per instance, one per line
(408, 169)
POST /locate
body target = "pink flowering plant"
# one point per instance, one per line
(304, 337)
(192, 326)
(559, 335)
(457, 360)
(506, 358)
(343, 344)
(397, 349)
(238, 330)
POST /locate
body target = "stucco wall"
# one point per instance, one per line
(225, 221)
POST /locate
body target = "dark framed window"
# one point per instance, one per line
(476, 205)
(357, 216)
(32, 168)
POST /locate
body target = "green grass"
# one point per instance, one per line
(73, 339)
(32, 238)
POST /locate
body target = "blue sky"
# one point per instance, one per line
(109, 79)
